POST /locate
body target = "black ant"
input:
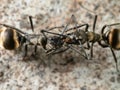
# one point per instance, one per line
(111, 38)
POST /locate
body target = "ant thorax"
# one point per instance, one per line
(93, 37)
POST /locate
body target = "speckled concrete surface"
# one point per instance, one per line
(80, 74)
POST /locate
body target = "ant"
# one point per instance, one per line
(110, 38)
(62, 42)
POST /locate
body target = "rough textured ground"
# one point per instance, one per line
(55, 74)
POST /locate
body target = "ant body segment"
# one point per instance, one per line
(12, 38)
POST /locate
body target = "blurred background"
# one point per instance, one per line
(55, 73)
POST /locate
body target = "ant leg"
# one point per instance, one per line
(65, 29)
(85, 54)
(71, 47)
(91, 50)
(14, 28)
(104, 45)
(103, 28)
(88, 46)
(76, 27)
(31, 23)
(86, 30)
(114, 58)
(94, 24)
(56, 27)
(75, 21)
(35, 49)
(50, 50)
(69, 28)
(25, 52)
(34, 53)
(59, 51)
(113, 24)
(73, 18)
(86, 26)
(44, 40)
(43, 32)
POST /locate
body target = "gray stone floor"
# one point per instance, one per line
(81, 74)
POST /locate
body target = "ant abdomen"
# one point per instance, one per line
(113, 38)
(9, 39)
